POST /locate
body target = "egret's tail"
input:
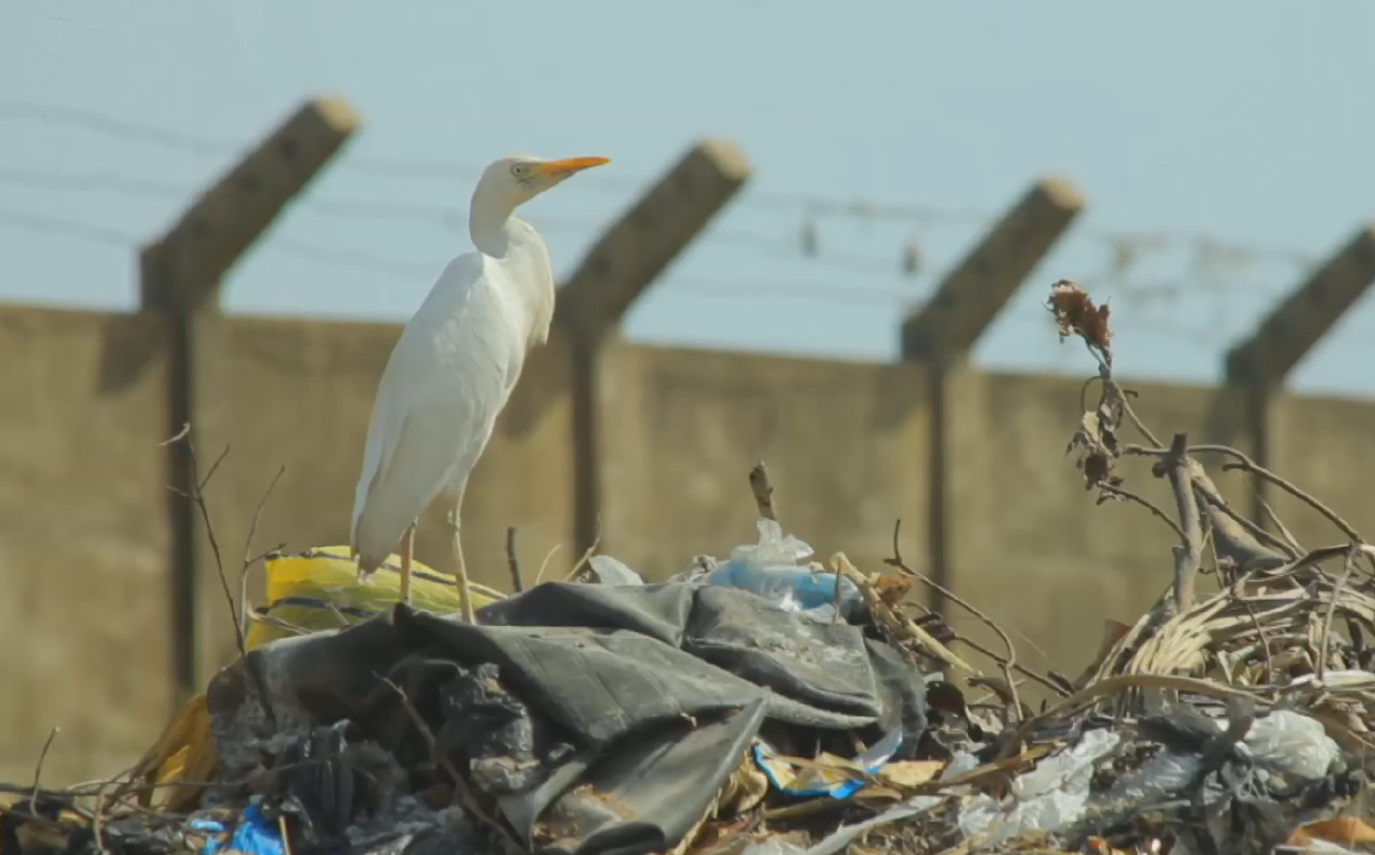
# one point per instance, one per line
(369, 562)
(375, 538)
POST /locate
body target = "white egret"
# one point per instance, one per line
(454, 368)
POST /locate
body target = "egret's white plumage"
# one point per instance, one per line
(455, 365)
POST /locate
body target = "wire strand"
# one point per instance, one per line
(899, 300)
(1211, 250)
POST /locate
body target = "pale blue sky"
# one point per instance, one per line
(1249, 121)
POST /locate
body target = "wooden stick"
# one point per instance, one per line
(516, 584)
(763, 491)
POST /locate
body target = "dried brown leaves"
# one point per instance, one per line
(1096, 441)
(1077, 314)
(1097, 436)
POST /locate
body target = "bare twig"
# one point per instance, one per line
(282, 831)
(512, 562)
(180, 435)
(586, 556)
(214, 467)
(245, 613)
(544, 565)
(1007, 666)
(1208, 490)
(1209, 493)
(1188, 555)
(1112, 685)
(1145, 503)
(248, 560)
(763, 491)
(1246, 464)
(839, 616)
(1131, 414)
(898, 626)
(98, 819)
(1265, 646)
(1279, 525)
(198, 498)
(1347, 567)
(38, 769)
(1048, 682)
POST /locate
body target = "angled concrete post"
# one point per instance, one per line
(180, 274)
(942, 333)
(971, 296)
(1259, 365)
(619, 268)
(1296, 325)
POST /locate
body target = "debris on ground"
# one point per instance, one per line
(762, 705)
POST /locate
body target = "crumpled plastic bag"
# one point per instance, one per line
(610, 571)
(1047, 798)
(1284, 741)
(1292, 743)
(770, 568)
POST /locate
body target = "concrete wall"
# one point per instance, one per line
(846, 445)
(1028, 546)
(84, 539)
(1326, 446)
(85, 545)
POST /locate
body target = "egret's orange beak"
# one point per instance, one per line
(566, 167)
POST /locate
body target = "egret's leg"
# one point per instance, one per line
(407, 550)
(465, 595)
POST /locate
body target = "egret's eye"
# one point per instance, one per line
(520, 170)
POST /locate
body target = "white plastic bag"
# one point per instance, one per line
(1047, 798)
(1292, 743)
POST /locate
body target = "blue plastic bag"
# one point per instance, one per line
(770, 568)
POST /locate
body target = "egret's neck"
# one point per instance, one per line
(489, 221)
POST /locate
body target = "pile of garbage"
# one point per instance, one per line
(768, 705)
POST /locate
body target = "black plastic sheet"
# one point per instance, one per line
(603, 719)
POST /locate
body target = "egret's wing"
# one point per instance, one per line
(442, 388)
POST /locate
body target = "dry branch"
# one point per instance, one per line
(1187, 555)
(1008, 664)
(512, 563)
(197, 497)
(763, 491)
(898, 627)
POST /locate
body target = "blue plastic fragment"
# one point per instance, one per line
(814, 782)
(254, 835)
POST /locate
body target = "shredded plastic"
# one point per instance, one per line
(811, 781)
(254, 835)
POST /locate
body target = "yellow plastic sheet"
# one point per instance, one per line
(315, 590)
(180, 761)
(318, 589)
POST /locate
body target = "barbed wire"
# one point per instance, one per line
(449, 219)
(1212, 258)
(1114, 274)
(736, 289)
